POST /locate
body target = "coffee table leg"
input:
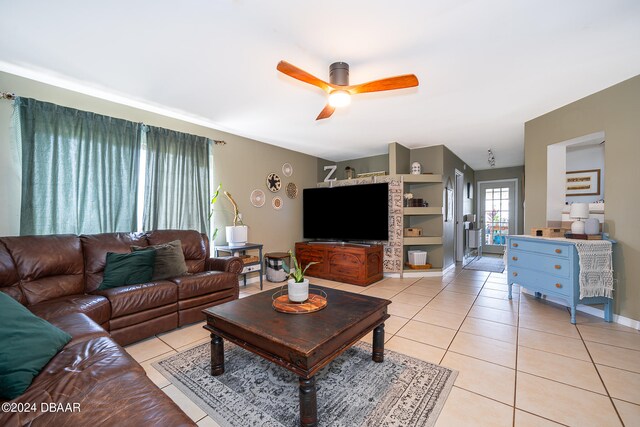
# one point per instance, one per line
(217, 355)
(308, 403)
(378, 343)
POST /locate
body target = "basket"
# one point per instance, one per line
(417, 257)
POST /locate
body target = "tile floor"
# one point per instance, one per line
(520, 361)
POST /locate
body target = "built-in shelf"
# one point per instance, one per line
(423, 211)
(422, 240)
(421, 178)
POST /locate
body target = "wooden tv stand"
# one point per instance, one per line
(356, 264)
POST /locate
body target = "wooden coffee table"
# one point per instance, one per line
(301, 343)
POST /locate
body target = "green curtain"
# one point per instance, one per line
(79, 170)
(176, 194)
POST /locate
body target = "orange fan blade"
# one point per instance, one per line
(326, 112)
(391, 83)
(297, 73)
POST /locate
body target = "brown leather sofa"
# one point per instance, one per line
(57, 278)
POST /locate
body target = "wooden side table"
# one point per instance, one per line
(250, 267)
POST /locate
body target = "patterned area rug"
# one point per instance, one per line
(486, 263)
(351, 391)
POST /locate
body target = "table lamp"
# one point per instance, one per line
(579, 211)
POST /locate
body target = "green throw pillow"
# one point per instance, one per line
(128, 269)
(28, 343)
(169, 259)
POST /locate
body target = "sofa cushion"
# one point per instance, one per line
(95, 248)
(79, 326)
(169, 260)
(135, 298)
(207, 282)
(128, 269)
(48, 266)
(9, 279)
(28, 344)
(195, 245)
(94, 306)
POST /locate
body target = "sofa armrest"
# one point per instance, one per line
(231, 264)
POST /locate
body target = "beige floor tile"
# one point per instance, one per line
(422, 290)
(380, 292)
(492, 293)
(369, 337)
(489, 329)
(562, 369)
(545, 311)
(412, 299)
(425, 333)
(440, 318)
(500, 286)
(484, 348)
(563, 403)
(351, 288)
(499, 304)
(494, 315)
(525, 419)
(552, 343)
(462, 289)
(629, 412)
(599, 322)
(623, 385)
(425, 352)
(393, 324)
(191, 409)
(611, 337)
(403, 310)
(194, 344)
(558, 327)
(488, 379)
(185, 335)
(617, 357)
(156, 377)
(207, 422)
(455, 297)
(148, 349)
(464, 408)
(449, 306)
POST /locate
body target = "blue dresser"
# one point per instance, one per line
(549, 267)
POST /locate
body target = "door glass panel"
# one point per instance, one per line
(496, 216)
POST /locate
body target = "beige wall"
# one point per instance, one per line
(241, 165)
(616, 111)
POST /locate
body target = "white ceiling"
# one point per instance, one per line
(485, 67)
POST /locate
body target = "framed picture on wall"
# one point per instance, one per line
(448, 205)
(583, 183)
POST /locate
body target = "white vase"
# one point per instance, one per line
(298, 292)
(237, 235)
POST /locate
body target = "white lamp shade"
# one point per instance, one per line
(579, 210)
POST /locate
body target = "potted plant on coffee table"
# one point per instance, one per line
(297, 285)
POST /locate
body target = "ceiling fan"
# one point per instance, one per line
(338, 87)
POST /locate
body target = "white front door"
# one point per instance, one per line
(497, 214)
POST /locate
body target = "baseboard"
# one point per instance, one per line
(624, 321)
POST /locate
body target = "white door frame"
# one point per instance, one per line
(515, 210)
(458, 194)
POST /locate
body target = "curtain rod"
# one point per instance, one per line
(7, 95)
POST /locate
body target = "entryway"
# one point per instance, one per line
(496, 213)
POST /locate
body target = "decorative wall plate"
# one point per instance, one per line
(273, 182)
(257, 198)
(292, 190)
(277, 203)
(287, 169)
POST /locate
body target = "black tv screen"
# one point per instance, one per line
(349, 213)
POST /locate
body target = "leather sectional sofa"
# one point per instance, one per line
(57, 278)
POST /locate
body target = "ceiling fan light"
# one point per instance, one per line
(339, 98)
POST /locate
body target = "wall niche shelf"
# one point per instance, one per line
(422, 240)
(423, 211)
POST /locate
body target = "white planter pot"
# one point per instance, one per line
(237, 235)
(298, 292)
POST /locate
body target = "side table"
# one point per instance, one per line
(251, 267)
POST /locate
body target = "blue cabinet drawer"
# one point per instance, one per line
(539, 282)
(555, 265)
(547, 248)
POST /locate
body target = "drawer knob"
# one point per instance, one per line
(558, 251)
(558, 285)
(557, 267)
(515, 245)
(515, 258)
(515, 273)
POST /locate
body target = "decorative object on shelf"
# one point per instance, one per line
(407, 198)
(416, 168)
(287, 169)
(277, 203)
(274, 182)
(297, 286)
(491, 159)
(236, 234)
(332, 170)
(583, 183)
(418, 267)
(317, 301)
(349, 172)
(592, 226)
(417, 257)
(548, 232)
(257, 198)
(578, 211)
(371, 174)
(292, 190)
(448, 204)
(413, 232)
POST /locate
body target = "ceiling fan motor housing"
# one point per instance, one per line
(339, 73)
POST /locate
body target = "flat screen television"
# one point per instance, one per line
(349, 213)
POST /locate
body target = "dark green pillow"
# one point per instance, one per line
(169, 259)
(27, 344)
(128, 269)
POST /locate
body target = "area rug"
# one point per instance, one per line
(351, 391)
(486, 263)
